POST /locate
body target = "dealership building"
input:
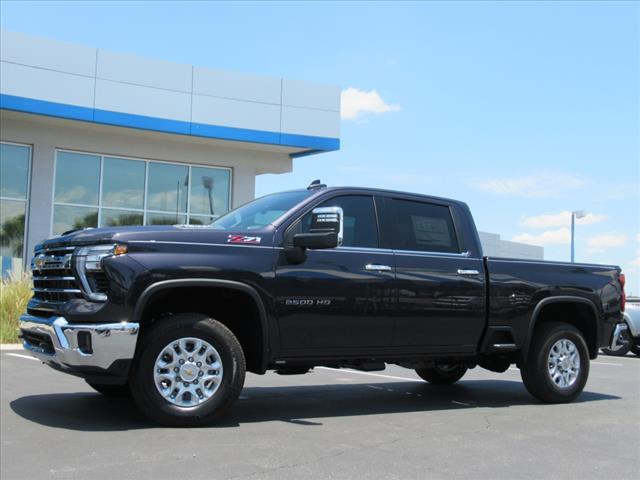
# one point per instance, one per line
(93, 138)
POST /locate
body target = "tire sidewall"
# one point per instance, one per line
(143, 382)
(574, 336)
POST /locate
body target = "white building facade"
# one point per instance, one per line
(93, 138)
(494, 246)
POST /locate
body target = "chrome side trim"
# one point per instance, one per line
(110, 341)
(421, 253)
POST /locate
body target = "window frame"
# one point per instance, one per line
(26, 200)
(143, 210)
(320, 201)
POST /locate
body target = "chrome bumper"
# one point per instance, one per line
(54, 340)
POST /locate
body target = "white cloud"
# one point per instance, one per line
(561, 219)
(605, 241)
(355, 102)
(551, 237)
(544, 185)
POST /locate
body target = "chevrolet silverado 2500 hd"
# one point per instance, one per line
(340, 277)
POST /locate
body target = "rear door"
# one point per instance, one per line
(340, 299)
(441, 287)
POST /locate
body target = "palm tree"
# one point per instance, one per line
(12, 234)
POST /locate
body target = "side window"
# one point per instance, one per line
(359, 222)
(423, 226)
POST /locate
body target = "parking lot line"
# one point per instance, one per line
(370, 374)
(22, 356)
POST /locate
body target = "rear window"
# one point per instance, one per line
(422, 226)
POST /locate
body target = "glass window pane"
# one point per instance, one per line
(11, 228)
(14, 170)
(209, 191)
(167, 188)
(423, 226)
(71, 218)
(165, 219)
(77, 178)
(200, 220)
(359, 222)
(123, 183)
(120, 218)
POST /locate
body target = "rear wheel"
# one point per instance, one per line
(620, 345)
(635, 348)
(557, 367)
(189, 371)
(111, 390)
(442, 374)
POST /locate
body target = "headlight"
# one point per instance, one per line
(89, 261)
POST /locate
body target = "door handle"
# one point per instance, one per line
(374, 267)
(462, 271)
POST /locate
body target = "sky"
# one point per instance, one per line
(526, 111)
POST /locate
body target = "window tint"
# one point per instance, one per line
(422, 226)
(359, 222)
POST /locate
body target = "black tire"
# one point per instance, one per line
(635, 348)
(626, 343)
(147, 395)
(442, 374)
(535, 371)
(111, 390)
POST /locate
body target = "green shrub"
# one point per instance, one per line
(15, 293)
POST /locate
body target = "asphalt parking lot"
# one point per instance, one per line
(328, 424)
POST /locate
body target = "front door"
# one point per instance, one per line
(341, 298)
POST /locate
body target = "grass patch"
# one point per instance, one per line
(15, 292)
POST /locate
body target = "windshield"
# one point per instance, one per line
(260, 212)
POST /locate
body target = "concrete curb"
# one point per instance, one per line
(10, 346)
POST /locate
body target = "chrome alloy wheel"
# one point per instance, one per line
(564, 363)
(188, 372)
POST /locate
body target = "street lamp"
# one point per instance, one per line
(575, 214)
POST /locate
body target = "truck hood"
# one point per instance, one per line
(161, 233)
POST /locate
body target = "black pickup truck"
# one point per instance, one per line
(338, 277)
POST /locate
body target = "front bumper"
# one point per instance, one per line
(79, 348)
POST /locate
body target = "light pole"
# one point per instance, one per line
(574, 214)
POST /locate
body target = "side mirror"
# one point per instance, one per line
(325, 231)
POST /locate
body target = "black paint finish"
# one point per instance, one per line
(327, 306)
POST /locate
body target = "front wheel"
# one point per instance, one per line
(188, 371)
(635, 348)
(442, 374)
(557, 366)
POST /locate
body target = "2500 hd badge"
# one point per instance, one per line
(175, 316)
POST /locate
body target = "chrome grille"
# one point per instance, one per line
(53, 279)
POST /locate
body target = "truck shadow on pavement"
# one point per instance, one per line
(84, 411)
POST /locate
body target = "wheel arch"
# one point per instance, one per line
(146, 299)
(589, 328)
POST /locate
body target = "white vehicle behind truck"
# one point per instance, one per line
(628, 338)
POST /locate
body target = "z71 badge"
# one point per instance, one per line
(243, 239)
